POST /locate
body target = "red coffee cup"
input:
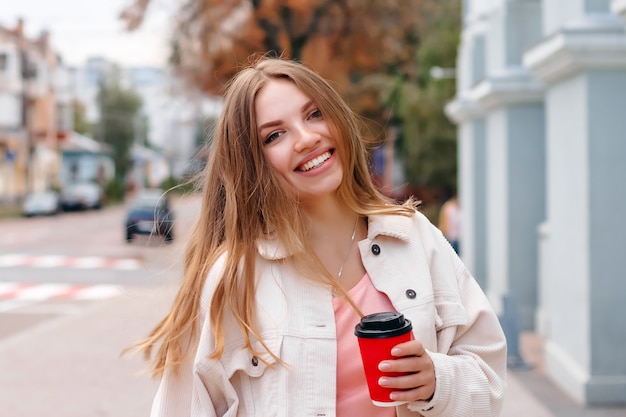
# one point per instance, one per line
(377, 334)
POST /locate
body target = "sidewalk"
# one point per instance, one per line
(519, 400)
(70, 367)
(532, 393)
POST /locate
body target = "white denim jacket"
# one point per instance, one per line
(408, 259)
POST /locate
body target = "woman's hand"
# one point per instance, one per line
(413, 359)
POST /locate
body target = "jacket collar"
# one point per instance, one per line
(392, 225)
(395, 226)
(272, 249)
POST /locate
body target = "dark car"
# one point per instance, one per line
(150, 214)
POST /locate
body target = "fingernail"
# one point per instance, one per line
(383, 381)
(393, 396)
(383, 366)
(396, 352)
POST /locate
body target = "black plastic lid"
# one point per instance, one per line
(380, 325)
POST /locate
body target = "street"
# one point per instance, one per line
(73, 295)
(51, 266)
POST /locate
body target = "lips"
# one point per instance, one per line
(315, 162)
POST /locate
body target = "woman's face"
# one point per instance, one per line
(296, 141)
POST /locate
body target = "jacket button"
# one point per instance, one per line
(375, 249)
(255, 361)
(410, 294)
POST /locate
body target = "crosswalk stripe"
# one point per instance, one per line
(49, 291)
(7, 289)
(91, 262)
(11, 260)
(47, 261)
(62, 261)
(41, 292)
(97, 292)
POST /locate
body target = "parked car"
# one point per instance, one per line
(41, 203)
(150, 214)
(82, 196)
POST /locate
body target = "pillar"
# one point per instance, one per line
(582, 59)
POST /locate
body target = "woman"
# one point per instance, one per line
(293, 244)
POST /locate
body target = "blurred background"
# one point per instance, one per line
(505, 117)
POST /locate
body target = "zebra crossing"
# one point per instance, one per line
(14, 295)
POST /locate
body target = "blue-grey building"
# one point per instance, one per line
(541, 114)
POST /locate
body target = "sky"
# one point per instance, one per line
(80, 29)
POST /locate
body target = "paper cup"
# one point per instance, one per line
(377, 334)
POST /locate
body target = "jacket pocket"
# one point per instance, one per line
(256, 377)
(424, 318)
(450, 313)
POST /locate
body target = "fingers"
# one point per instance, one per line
(418, 381)
(413, 365)
(411, 387)
(412, 347)
(423, 393)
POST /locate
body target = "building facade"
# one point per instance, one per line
(31, 121)
(542, 139)
(37, 95)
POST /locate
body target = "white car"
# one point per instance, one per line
(41, 203)
(82, 196)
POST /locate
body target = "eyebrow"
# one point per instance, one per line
(277, 122)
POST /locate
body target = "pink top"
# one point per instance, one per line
(352, 393)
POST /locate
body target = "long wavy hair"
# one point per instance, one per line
(244, 200)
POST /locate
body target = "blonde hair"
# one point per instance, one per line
(243, 200)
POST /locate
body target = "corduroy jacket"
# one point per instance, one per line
(409, 260)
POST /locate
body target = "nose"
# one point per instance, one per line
(305, 138)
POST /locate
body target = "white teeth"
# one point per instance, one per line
(315, 162)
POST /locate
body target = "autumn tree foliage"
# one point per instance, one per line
(119, 110)
(341, 39)
(370, 50)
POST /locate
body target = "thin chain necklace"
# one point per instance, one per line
(349, 249)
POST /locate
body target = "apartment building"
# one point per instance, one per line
(32, 120)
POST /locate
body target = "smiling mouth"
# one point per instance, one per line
(315, 162)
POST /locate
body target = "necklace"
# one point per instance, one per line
(349, 249)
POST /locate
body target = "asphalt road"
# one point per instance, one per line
(73, 295)
(57, 266)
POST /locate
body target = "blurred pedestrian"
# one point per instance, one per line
(450, 221)
(292, 246)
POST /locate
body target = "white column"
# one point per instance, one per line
(515, 156)
(583, 282)
(515, 178)
(464, 111)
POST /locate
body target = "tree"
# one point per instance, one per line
(119, 122)
(428, 138)
(377, 54)
(81, 124)
(342, 39)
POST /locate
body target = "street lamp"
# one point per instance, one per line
(439, 73)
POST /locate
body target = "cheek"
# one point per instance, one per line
(277, 160)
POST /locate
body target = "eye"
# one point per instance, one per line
(272, 137)
(315, 114)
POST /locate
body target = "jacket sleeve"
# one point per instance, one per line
(200, 387)
(470, 362)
